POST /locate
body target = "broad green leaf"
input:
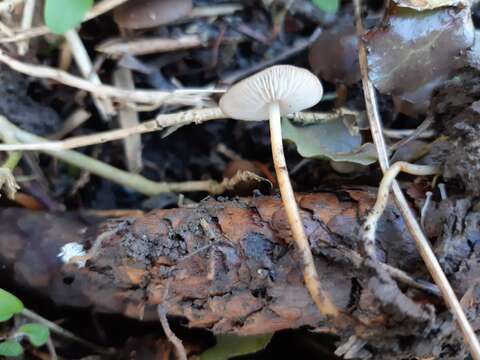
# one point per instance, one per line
(331, 140)
(63, 15)
(327, 5)
(231, 345)
(10, 348)
(37, 334)
(9, 305)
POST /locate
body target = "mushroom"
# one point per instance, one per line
(276, 91)
(143, 14)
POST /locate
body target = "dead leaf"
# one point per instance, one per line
(411, 53)
(334, 55)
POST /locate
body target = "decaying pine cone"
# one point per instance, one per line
(230, 267)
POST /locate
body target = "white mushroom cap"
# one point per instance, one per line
(294, 89)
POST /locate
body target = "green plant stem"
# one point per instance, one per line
(99, 168)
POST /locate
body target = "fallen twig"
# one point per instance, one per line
(80, 54)
(162, 122)
(99, 168)
(127, 117)
(27, 19)
(191, 97)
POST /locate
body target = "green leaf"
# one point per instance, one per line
(63, 15)
(10, 348)
(331, 140)
(9, 305)
(327, 5)
(37, 334)
(230, 345)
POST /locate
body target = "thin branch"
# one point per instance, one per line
(127, 118)
(99, 168)
(27, 19)
(73, 121)
(7, 180)
(84, 63)
(177, 97)
(162, 121)
(214, 10)
(143, 46)
(423, 245)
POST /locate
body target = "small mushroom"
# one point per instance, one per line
(144, 14)
(276, 91)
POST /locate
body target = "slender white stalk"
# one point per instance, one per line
(27, 19)
(312, 281)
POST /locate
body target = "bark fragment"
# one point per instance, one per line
(229, 266)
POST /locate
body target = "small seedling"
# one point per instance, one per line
(37, 334)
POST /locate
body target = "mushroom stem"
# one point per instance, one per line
(312, 281)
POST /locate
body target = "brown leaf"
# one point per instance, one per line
(334, 55)
(411, 52)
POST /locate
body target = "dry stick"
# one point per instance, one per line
(9, 5)
(214, 10)
(144, 46)
(178, 97)
(27, 19)
(161, 122)
(309, 118)
(127, 117)
(369, 227)
(5, 29)
(423, 245)
(80, 54)
(63, 332)
(312, 281)
(99, 9)
(73, 121)
(133, 181)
